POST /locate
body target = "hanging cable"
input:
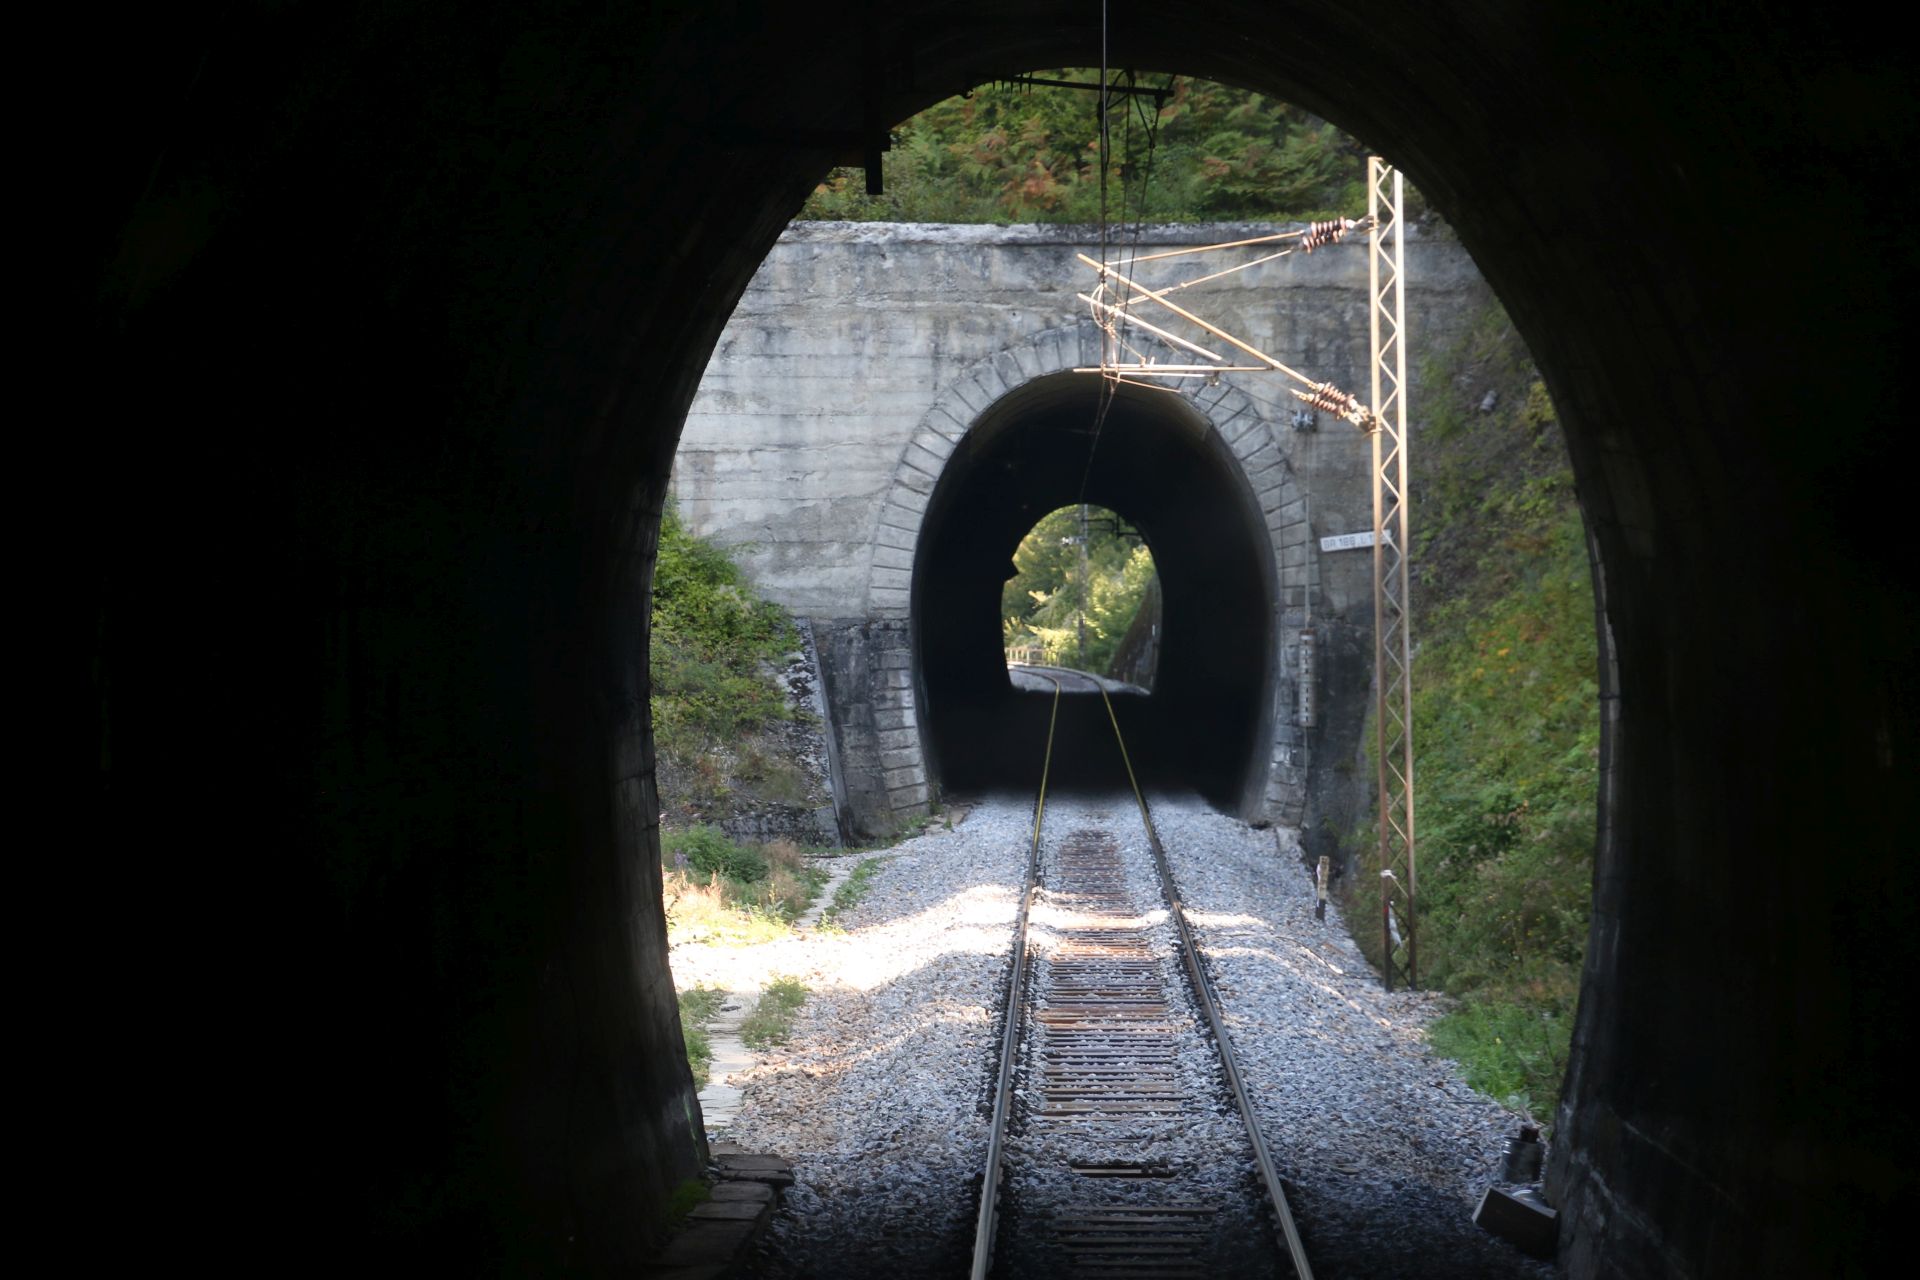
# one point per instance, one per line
(1110, 333)
(1101, 123)
(1151, 127)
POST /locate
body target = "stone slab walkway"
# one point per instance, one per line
(720, 1100)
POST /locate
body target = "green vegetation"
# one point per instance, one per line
(771, 1021)
(711, 637)
(1054, 590)
(848, 895)
(714, 693)
(1506, 720)
(1512, 1050)
(714, 701)
(697, 1008)
(708, 851)
(717, 890)
(1015, 154)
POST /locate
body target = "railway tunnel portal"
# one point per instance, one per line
(1154, 460)
(438, 276)
(889, 400)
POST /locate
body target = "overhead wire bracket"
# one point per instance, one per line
(1114, 304)
(1118, 295)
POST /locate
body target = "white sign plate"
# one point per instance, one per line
(1349, 541)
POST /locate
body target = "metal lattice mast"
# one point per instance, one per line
(1392, 640)
(1116, 306)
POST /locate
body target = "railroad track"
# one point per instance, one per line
(1115, 1055)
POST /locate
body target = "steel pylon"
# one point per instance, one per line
(1392, 630)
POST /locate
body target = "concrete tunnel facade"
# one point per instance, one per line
(398, 319)
(868, 365)
(1164, 469)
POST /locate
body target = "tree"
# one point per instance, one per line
(1056, 596)
(1008, 153)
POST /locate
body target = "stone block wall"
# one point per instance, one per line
(866, 670)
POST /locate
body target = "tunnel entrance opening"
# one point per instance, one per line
(919, 728)
(449, 536)
(1084, 594)
(1160, 466)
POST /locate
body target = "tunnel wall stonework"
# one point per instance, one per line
(863, 353)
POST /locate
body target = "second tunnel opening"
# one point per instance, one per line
(1157, 462)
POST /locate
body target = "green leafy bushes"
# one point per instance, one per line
(1031, 154)
(711, 636)
(1053, 587)
(1506, 725)
(1511, 1049)
(1506, 721)
(721, 716)
(707, 850)
(718, 890)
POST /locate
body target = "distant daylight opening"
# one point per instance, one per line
(1009, 501)
(1085, 595)
(891, 441)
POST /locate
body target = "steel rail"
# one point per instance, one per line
(988, 1219)
(1209, 1004)
(1289, 1235)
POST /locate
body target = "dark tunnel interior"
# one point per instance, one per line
(376, 328)
(1162, 467)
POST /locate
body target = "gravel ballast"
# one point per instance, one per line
(1384, 1150)
(877, 1098)
(880, 1099)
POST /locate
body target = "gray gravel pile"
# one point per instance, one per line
(877, 1098)
(1385, 1151)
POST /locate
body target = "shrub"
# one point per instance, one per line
(1506, 723)
(708, 851)
(718, 890)
(1513, 1042)
(710, 644)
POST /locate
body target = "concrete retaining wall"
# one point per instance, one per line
(863, 352)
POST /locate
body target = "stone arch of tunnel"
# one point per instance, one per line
(406, 732)
(1163, 467)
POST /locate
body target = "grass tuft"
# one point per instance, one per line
(850, 892)
(771, 1021)
(685, 1198)
(697, 1008)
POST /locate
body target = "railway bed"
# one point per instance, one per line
(881, 1103)
(1123, 1141)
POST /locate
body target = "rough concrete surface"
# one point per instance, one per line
(862, 353)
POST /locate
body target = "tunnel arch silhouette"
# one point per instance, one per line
(475, 314)
(1162, 466)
